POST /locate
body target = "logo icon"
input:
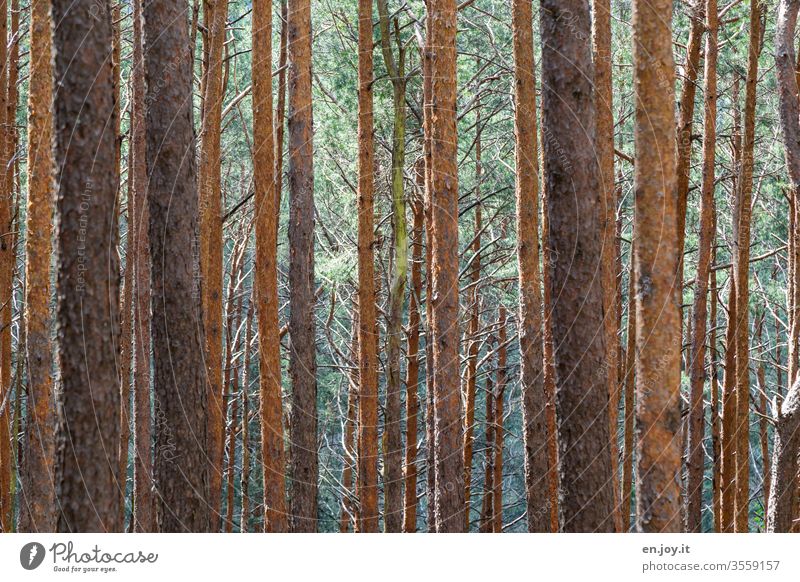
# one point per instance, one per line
(31, 555)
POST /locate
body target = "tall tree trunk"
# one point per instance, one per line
(38, 510)
(244, 520)
(367, 341)
(211, 244)
(144, 506)
(656, 258)
(304, 467)
(266, 274)
(474, 326)
(412, 366)
(534, 400)
(741, 277)
(487, 505)
(180, 469)
(280, 112)
(88, 269)
(449, 498)
(392, 474)
(571, 177)
(604, 146)
(6, 285)
(696, 461)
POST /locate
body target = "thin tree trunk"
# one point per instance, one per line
(266, 275)
(534, 400)
(741, 278)
(604, 146)
(502, 374)
(245, 478)
(87, 479)
(38, 509)
(367, 341)
(571, 177)
(304, 467)
(6, 286)
(487, 506)
(211, 245)
(696, 433)
(448, 422)
(629, 399)
(180, 469)
(783, 495)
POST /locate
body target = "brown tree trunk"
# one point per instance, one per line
(604, 146)
(144, 505)
(211, 244)
(534, 400)
(180, 469)
(728, 442)
(304, 467)
(88, 269)
(38, 507)
(696, 461)
(448, 422)
(6, 286)
(571, 178)
(487, 505)
(368, 346)
(741, 278)
(280, 112)
(656, 259)
(245, 478)
(266, 274)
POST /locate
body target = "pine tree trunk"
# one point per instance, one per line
(181, 469)
(448, 422)
(696, 461)
(629, 398)
(534, 401)
(87, 267)
(571, 177)
(266, 274)
(211, 244)
(604, 146)
(368, 347)
(244, 519)
(783, 495)
(38, 512)
(656, 259)
(6, 286)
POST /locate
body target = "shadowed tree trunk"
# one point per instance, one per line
(497, 465)
(530, 329)
(696, 462)
(656, 258)
(368, 347)
(181, 468)
(304, 466)
(571, 177)
(87, 466)
(266, 274)
(448, 422)
(211, 243)
(783, 495)
(38, 506)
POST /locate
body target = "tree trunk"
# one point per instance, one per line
(571, 177)
(534, 400)
(181, 469)
(741, 277)
(6, 286)
(604, 146)
(656, 258)
(38, 509)
(211, 244)
(245, 478)
(266, 274)
(304, 467)
(630, 397)
(696, 461)
(449, 498)
(497, 465)
(368, 346)
(88, 269)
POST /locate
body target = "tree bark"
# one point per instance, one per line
(656, 259)
(304, 467)
(87, 478)
(448, 422)
(181, 469)
(38, 509)
(573, 203)
(782, 497)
